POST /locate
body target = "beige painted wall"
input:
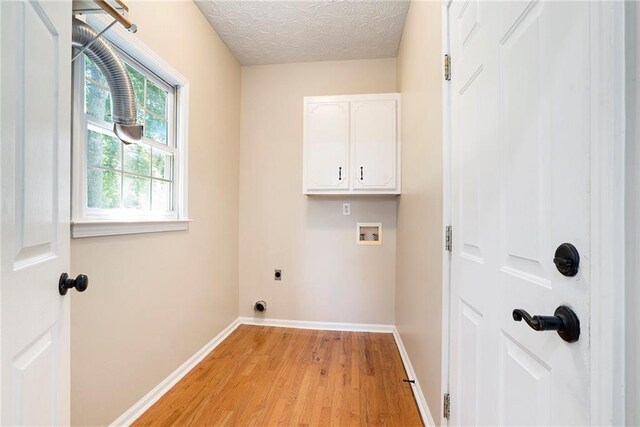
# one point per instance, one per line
(155, 299)
(326, 277)
(420, 225)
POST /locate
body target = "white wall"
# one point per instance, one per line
(420, 224)
(155, 299)
(326, 277)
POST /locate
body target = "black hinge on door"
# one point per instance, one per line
(446, 410)
(448, 239)
(447, 67)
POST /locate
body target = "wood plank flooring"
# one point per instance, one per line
(278, 376)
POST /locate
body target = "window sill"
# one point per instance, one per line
(81, 229)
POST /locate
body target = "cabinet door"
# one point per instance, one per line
(326, 146)
(374, 144)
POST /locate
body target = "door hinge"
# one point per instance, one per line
(448, 239)
(446, 410)
(447, 67)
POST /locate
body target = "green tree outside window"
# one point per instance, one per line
(119, 176)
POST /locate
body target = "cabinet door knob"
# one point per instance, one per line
(361, 173)
(340, 173)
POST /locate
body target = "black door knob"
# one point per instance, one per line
(65, 283)
(564, 321)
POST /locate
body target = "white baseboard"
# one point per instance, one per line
(326, 326)
(141, 406)
(154, 395)
(417, 390)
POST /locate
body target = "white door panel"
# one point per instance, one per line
(374, 142)
(327, 145)
(520, 181)
(36, 74)
(524, 386)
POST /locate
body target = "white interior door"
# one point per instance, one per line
(327, 145)
(36, 76)
(520, 100)
(374, 144)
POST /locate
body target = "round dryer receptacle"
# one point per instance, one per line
(260, 306)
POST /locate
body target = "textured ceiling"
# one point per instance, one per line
(276, 31)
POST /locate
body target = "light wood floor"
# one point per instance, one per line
(277, 376)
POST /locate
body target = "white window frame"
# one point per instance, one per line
(88, 222)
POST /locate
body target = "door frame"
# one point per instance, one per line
(1, 194)
(608, 142)
(447, 194)
(607, 165)
(632, 205)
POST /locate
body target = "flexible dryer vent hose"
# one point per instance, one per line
(123, 99)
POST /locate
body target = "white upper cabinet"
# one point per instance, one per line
(374, 144)
(327, 145)
(352, 144)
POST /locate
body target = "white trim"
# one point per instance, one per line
(607, 133)
(324, 326)
(133, 47)
(360, 194)
(80, 229)
(3, 128)
(154, 395)
(421, 401)
(446, 216)
(139, 51)
(632, 206)
(354, 98)
(78, 156)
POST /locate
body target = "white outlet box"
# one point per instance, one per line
(346, 209)
(369, 233)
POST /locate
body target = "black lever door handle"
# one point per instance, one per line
(564, 321)
(81, 282)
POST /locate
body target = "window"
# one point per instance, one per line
(120, 188)
(139, 177)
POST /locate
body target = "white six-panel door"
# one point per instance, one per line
(520, 179)
(36, 77)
